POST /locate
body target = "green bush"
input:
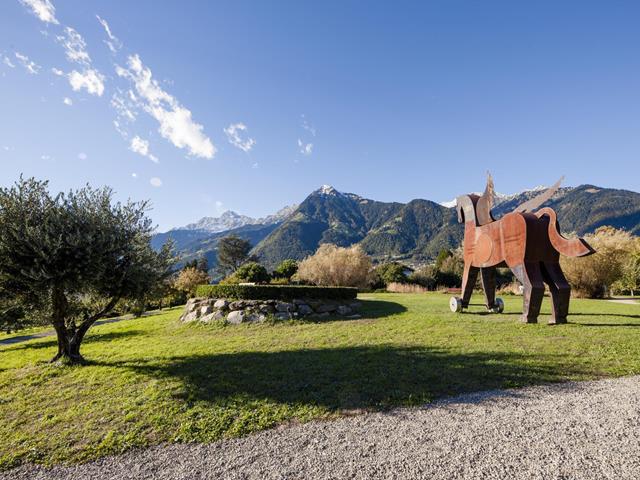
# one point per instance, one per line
(392, 272)
(252, 272)
(276, 292)
(286, 269)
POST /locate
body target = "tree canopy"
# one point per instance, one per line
(71, 257)
(233, 251)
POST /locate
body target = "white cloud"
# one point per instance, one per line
(175, 122)
(255, 165)
(57, 72)
(134, 175)
(156, 182)
(113, 43)
(219, 207)
(75, 48)
(305, 148)
(67, 101)
(141, 147)
(30, 66)
(90, 79)
(233, 135)
(43, 9)
(82, 156)
(7, 61)
(45, 157)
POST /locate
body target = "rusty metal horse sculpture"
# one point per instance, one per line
(527, 242)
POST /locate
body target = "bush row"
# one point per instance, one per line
(276, 292)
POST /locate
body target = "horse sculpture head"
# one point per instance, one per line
(477, 208)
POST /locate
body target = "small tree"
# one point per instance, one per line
(249, 272)
(233, 251)
(201, 264)
(337, 266)
(442, 256)
(286, 269)
(189, 278)
(70, 258)
(392, 272)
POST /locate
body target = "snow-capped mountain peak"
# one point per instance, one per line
(229, 220)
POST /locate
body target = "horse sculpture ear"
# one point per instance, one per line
(485, 203)
(465, 209)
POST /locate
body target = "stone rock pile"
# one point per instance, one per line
(209, 310)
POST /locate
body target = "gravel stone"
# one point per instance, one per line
(577, 430)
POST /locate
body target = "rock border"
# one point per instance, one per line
(230, 311)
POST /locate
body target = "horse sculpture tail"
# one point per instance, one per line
(574, 247)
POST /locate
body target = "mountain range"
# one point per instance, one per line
(412, 232)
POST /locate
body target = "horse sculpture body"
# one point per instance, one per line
(527, 242)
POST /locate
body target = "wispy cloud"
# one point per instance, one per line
(7, 61)
(43, 9)
(112, 42)
(155, 182)
(57, 72)
(233, 135)
(67, 101)
(175, 122)
(91, 80)
(31, 67)
(305, 148)
(75, 48)
(141, 147)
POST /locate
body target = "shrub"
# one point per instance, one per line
(392, 272)
(405, 288)
(286, 269)
(276, 292)
(593, 276)
(189, 278)
(249, 272)
(337, 266)
(426, 277)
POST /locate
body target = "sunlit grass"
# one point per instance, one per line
(153, 380)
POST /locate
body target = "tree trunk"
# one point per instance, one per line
(70, 339)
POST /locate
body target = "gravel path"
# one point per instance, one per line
(587, 430)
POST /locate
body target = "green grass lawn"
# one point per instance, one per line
(153, 380)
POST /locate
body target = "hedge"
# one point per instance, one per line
(276, 292)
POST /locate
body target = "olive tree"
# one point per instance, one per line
(69, 258)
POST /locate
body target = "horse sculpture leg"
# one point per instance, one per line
(530, 275)
(488, 277)
(560, 291)
(468, 282)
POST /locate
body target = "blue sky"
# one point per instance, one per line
(250, 106)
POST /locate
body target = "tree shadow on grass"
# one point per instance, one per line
(90, 338)
(353, 377)
(380, 308)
